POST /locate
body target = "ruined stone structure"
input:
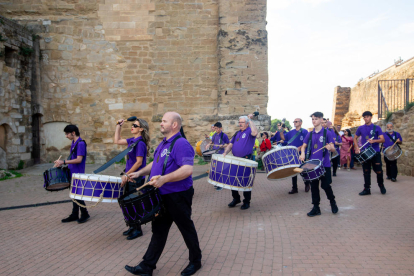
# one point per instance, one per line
(349, 104)
(102, 60)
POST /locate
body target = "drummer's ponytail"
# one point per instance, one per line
(145, 133)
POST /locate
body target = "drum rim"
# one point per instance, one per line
(284, 167)
(400, 150)
(226, 186)
(100, 177)
(320, 163)
(92, 198)
(242, 161)
(280, 148)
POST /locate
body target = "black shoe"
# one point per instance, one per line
(334, 174)
(383, 190)
(388, 178)
(365, 192)
(134, 234)
(128, 232)
(245, 206)
(393, 180)
(293, 191)
(316, 211)
(307, 187)
(137, 270)
(83, 218)
(219, 188)
(234, 203)
(334, 207)
(70, 218)
(191, 269)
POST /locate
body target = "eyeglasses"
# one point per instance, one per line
(296, 122)
(135, 126)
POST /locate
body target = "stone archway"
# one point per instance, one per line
(3, 142)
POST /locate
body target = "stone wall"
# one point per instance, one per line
(340, 104)
(16, 62)
(364, 96)
(103, 60)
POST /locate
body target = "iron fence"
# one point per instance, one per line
(393, 95)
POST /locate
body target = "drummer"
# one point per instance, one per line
(313, 142)
(391, 137)
(219, 140)
(76, 164)
(295, 138)
(213, 130)
(373, 135)
(242, 146)
(279, 134)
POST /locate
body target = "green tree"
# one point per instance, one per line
(273, 126)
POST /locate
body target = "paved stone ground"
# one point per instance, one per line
(370, 235)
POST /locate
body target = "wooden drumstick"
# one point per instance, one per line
(394, 144)
(298, 170)
(321, 148)
(57, 160)
(149, 182)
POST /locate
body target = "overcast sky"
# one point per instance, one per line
(316, 45)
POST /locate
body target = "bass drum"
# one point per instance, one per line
(201, 146)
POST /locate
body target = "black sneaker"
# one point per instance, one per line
(234, 203)
(294, 191)
(219, 188)
(383, 190)
(245, 206)
(316, 211)
(84, 218)
(70, 218)
(334, 207)
(393, 180)
(388, 178)
(128, 232)
(334, 174)
(365, 192)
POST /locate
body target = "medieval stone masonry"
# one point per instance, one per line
(93, 62)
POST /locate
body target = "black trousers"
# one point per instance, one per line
(326, 181)
(76, 208)
(335, 163)
(177, 210)
(247, 195)
(391, 168)
(375, 163)
(295, 183)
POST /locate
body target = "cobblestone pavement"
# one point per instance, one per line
(371, 235)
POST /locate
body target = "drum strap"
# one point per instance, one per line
(296, 136)
(308, 150)
(74, 149)
(221, 137)
(324, 141)
(382, 145)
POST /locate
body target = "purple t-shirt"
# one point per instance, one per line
(243, 143)
(317, 139)
(337, 139)
(80, 151)
(276, 137)
(388, 142)
(367, 132)
(181, 154)
(140, 149)
(298, 140)
(218, 141)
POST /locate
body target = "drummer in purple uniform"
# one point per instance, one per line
(338, 143)
(373, 134)
(295, 138)
(176, 188)
(391, 137)
(279, 134)
(319, 134)
(136, 160)
(76, 164)
(220, 140)
(242, 146)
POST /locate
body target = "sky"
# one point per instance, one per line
(316, 45)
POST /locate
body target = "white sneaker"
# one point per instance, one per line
(348, 169)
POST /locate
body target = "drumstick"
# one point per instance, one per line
(149, 182)
(321, 148)
(57, 160)
(394, 144)
(298, 170)
(366, 142)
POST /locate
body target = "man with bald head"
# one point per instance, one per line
(173, 161)
(295, 138)
(242, 146)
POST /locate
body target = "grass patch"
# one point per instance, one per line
(122, 162)
(408, 106)
(9, 175)
(388, 116)
(198, 160)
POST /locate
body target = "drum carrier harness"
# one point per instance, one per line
(382, 145)
(308, 150)
(296, 136)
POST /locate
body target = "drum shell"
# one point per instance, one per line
(314, 174)
(365, 155)
(280, 162)
(89, 187)
(201, 146)
(232, 173)
(57, 179)
(392, 153)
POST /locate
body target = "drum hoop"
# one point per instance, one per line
(317, 167)
(230, 187)
(279, 148)
(97, 177)
(282, 168)
(235, 160)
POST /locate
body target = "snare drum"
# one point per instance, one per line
(392, 153)
(232, 172)
(312, 169)
(365, 155)
(207, 155)
(280, 162)
(56, 179)
(140, 207)
(201, 146)
(95, 187)
(333, 155)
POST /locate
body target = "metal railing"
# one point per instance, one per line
(393, 95)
